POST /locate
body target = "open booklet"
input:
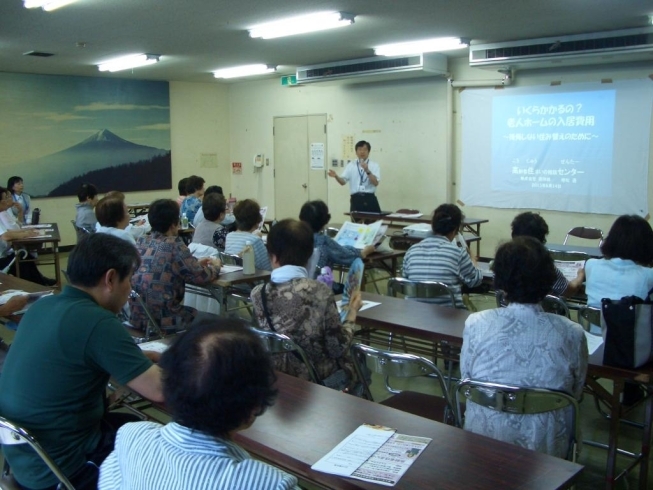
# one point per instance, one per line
(31, 298)
(360, 236)
(373, 453)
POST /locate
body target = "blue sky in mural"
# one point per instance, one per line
(42, 114)
(44, 119)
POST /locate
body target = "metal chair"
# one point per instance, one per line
(553, 304)
(550, 304)
(241, 293)
(588, 316)
(81, 231)
(23, 254)
(399, 365)
(11, 434)
(519, 400)
(331, 231)
(419, 289)
(585, 233)
(277, 343)
(152, 331)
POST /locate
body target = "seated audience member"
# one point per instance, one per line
(166, 265)
(137, 229)
(524, 346)
(210, 232)
(55, 375)
(437, 258)
(181, 187)
(28, 269)
(218, 379)
(228, 221)
(248, 217)
(85, 214)
(113, 218)
(316, 214)
(533, 225)
(304, 309)
(625, 269)
(21, 210)
(193, 201)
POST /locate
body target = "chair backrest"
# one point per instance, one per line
(553, 304)
(419, 289)
(588, 316)
(500, 296)
(81, 231)
(277, 343)
(230, 259)
(521, 401)
(394, 365)
(11, 433)
(311, 267)
(586, 233)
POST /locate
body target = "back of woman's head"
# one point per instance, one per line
(247, 214)
(630, 238)
(524, 270)
(163, 213)
(316, 214)
(110, 211)
(446, 218)
(291, 242)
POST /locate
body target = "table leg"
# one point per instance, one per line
(57, 268)
(646, 443)
(613, 438)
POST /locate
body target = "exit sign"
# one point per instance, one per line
(288, 80)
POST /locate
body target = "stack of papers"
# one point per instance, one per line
(405, 215)
(226, 269)
(373, 453)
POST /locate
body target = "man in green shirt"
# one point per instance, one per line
(55, 375)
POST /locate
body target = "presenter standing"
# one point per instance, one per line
(363, 176)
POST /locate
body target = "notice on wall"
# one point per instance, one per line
(317, 156)
(236, 168)
(348, 152)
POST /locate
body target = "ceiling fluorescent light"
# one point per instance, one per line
(299, 25)
(244, 71)
(127, 62)
(426, 46)
(47, 5)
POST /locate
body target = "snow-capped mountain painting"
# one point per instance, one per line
(58, 132)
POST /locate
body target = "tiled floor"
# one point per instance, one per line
(594, 426)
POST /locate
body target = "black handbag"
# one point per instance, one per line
(628, 331)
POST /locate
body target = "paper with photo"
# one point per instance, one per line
(352, 284)
(359, 236)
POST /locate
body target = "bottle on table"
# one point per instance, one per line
(184, 222)
(248, 259)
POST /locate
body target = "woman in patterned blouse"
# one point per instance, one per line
(304, 309)
(524, 346)
(166, 266)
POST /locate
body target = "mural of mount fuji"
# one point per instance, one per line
(51, 133)
(105, 159)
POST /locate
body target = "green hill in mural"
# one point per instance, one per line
(143, 175)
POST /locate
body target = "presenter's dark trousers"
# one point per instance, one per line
(364, 202)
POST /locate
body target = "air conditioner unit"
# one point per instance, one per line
(582, 49)
(375, 68)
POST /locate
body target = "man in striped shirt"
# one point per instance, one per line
(439, 258)
(217, 379)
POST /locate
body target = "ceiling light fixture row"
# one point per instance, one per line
(47, 5)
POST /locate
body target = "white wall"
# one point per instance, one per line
(404, 122)
(199, 123)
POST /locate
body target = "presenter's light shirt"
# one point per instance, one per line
(358, 180)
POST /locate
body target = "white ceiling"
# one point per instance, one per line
(198, 36)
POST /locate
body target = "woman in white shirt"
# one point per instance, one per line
(22, 202)
(113, 218)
